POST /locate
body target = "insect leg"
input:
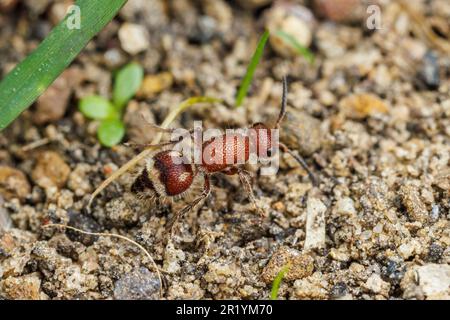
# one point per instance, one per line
(180, 214)
(145, 145)
(245, 178)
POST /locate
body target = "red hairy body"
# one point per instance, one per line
(227, 151)
(164, 176)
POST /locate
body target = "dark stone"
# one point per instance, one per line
(203, 31)
(393, 272)
(85, 223)
(435, 252)
(429, 71)
(338, 290)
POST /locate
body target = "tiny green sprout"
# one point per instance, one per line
(248, 77)
(277, 281)
(112, 129)
(247, 80)
(292, 41)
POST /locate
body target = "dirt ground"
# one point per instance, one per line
(371, 116)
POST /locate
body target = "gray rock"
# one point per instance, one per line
(141, 284)
(85, 223)
(5, 220)
(301, 132)
(429, 71)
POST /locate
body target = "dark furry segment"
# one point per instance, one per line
(142, 183)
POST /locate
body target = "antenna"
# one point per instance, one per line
(283, 103)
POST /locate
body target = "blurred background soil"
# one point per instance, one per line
(371, 115)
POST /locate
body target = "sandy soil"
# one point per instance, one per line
(371, 115)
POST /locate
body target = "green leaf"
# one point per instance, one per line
(128, 82)
(245, 84)
(277, 281)
(291, 41)
(96, 107)
(29, 79)
(111, 132)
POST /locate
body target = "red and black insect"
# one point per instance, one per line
(162, 177)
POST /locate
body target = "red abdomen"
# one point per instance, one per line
(171, 178)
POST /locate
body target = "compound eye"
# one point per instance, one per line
(178, 139)
(271, 152)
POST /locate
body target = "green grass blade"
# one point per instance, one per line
(277, 281)
(23, 85)
(301, 50)
(245, 85)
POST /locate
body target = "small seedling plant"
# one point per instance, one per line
(256, 58)
(112, 129)
(277, 282)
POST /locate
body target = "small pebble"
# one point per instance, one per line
(417, 210)
(21, 288)
(300, 265)
(435, 252)
(345, 206)
(314, 287)
(154, 84)
(292, 19)
(338, 290)
(5, 219)
(50, 170)
(79, 180)
(133, 38)
(339, 10)
(37, 6)
(13, 183)
(375, 284)
(85, 223)
(360, 106)
(315, 224)
(429, 71)
(140, 284)
(301, 132)
(59, 10)
(52, 104)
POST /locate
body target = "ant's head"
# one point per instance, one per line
(264, 132)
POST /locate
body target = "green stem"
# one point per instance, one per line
(245, 84)
(23, 85)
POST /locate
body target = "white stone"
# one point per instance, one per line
(133, 38)
(375, 284)
(172, 258)
(434, 279)
(345, 206)
(408, 249)
(315, 224)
